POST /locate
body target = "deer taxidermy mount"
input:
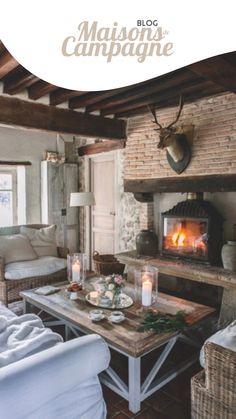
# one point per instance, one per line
(176, 143)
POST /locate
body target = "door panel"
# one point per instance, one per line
(104, 242)
(103, 184)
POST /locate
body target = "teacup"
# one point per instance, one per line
(96, 314)
(117, 316)
(105, 301)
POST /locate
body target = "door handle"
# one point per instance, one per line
(112, 213)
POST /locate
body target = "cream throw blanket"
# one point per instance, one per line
(23, 336)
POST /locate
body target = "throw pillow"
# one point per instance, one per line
(43, 240)
(16, 248)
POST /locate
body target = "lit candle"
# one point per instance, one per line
(146, 290)
(93, 295)
(76, 271)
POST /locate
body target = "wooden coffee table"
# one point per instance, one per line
(124, 338)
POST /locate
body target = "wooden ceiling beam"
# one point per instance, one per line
(101, 147)
(143, 89)
(62, 95)
(94, 100)
(165, 95)
(18, 80)
(7, 63)
(21, 113)
(92, 97)
(172, 101)
(218, 70)
(40, 88)
(2, 48)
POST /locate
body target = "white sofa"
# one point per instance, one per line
(57, 383)
(29, 258)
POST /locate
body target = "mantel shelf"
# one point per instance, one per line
(206, 183)
(183, 269)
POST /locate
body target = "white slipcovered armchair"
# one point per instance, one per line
(57, 383)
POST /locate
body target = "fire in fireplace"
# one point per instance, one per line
(193, 229)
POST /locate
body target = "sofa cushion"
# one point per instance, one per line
(16, 247)
(43, 240)
(45, 265)
(225, 338)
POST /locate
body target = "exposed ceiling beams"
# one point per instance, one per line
(17, 80)
(207, 78)
(22, 113)
(189, 97)
(7, 63)
(189, 86)
(62, 95)
(40, 88)
(141, 90)
(90, 98)
(218, 70)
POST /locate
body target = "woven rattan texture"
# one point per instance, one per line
(107, 264)
(213, 390)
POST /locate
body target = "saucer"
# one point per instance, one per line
(120, 320)
(98, 319)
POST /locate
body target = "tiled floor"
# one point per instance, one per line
(171, 402)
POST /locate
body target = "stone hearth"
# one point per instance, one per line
(198, 272)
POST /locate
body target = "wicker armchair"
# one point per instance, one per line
(9, 290)
(213, 394)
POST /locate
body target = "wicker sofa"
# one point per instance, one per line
(9, 290)
(213, 393)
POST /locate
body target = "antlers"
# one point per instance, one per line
(152, 110)
(181, 104)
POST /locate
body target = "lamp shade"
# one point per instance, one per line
(81, 199)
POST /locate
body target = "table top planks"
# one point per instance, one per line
(123, 336)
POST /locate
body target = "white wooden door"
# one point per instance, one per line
(103, 215)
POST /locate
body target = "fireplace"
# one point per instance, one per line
(192, 230)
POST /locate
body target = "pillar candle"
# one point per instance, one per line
(146, 289)
(76, 271)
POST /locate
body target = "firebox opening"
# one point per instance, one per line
(186, 237)
(192, 230)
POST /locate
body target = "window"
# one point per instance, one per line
(12, 195)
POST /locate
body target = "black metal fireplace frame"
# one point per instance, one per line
(209, 215)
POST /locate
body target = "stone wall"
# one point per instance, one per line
(133, 215)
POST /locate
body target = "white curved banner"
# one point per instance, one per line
(101, 44)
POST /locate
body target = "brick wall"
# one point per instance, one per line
(146, 216)
(214, 142)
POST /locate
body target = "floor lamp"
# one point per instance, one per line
(82, 199)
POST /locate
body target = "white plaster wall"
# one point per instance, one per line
(26, 145)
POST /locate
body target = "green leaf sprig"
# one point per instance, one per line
(162, 323)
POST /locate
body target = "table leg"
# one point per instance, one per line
(26, 307)
(67, 333)
(134, 384)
